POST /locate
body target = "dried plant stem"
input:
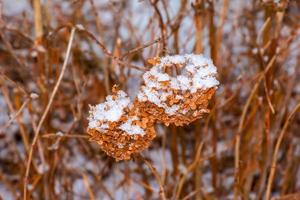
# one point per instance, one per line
(99, 25)
(38, 20)
(219, 34)
(190, 168)
(264, 29)
(157, 177)
(99, 28)
(88, 186)
(240, 128)
(161, 26)
(212, 31)
(36, 136)
(51, 135)
(174, 152)
(268, 97)
(15, 116)
(141, 47)
(105, 50)
(198, 20)
(275, 154)
(163, 159)
(11, 51)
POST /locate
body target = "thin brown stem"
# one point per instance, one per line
(241, 125)
(156, 175)
(38, 23)
(275, 154)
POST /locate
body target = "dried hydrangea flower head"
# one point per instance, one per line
(117, 127)
(178, 88)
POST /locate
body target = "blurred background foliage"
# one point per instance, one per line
(252, 129)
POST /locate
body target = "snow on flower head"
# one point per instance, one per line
(187, 73)
(109, 111)
(176, 90)
(117, 127)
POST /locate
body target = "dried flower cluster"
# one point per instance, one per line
(117, 127)
(176, 90)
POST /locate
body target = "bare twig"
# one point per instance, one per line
(161, 26)
(139, 48)
(51, 135)
(14, 116)
(88, 185)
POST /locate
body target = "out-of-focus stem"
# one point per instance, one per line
(161, 26)
(275, 155)
(38, 23)
(212, 31)
(198, 8)
(99, 28)
(220, 29)
(241, 125)
(174, 150)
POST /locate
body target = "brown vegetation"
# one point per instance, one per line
(59, 57)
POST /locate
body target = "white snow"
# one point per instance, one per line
(6, 193)
(176, 59)
(175, 84)
(254, 50)
(34, 95)
(162, 77)
(132, 129)
(43, 168)
(109, 111)
(59, 133)
(200, 82)
(79, 189)
(184, 82)
(171, 110)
